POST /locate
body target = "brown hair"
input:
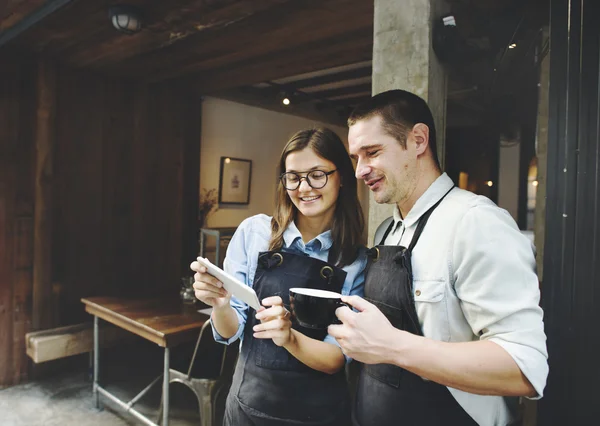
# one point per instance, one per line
(348, 222)
(400, 111)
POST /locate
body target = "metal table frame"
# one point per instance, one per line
(181, 329)
(128, 406)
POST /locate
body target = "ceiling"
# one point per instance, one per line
(316, 52)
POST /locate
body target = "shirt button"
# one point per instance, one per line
(418, 292)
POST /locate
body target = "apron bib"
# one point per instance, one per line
(387, 394)
(270, 386)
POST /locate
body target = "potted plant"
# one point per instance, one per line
(207, 205)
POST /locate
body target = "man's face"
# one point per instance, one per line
(389, 170)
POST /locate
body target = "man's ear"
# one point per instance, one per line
(420, 132)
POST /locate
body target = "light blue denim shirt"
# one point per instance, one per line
(252, 237)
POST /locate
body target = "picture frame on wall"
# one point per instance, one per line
(234, 181)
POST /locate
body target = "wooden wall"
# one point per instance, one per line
(123, 187)
(17, 113)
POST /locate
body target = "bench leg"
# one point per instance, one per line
(96, 359)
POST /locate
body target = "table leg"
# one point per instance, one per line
(166, 390)
(96, 359)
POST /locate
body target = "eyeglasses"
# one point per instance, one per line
(317, 179)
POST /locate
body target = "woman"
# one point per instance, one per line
(287, 374)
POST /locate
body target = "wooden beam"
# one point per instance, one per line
(285, 27)
(17, 23)
(43, 315)
(167, 27)
(322, 54)
(348, 90)
(268, 99)
(332, 78)
(11, 12)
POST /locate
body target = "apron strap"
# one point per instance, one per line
(423, 221)
(386, 233)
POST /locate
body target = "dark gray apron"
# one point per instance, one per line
(386, 394)
(270, 386)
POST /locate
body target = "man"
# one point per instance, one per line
(450, 331)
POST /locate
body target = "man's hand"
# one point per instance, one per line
(365, 335)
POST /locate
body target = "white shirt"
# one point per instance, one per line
(474, 279)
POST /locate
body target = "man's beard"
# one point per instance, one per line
(385, 196)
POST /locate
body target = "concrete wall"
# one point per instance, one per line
(234, 130)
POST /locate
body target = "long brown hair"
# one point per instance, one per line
(348, 221)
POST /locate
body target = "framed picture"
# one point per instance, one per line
(234, 181)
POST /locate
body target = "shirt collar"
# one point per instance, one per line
(291, 235)
(397, 217)
(431, 196)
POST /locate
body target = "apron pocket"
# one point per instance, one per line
(387, 373)
(268, 354)
(393, 314)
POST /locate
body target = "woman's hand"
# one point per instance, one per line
(208, 289)
(275, 322)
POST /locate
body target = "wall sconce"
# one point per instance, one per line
(126, 19)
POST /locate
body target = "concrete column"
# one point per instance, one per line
(403, 58)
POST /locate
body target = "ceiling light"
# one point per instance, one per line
(490, 183)
(126, 19)
(512, 46)
(285, 101)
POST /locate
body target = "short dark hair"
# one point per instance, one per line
(400, 111)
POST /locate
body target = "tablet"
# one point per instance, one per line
(232, 285)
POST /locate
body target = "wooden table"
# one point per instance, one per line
(162, 321)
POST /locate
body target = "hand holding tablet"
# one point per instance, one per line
(231, 284)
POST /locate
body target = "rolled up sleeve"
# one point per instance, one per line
(494, 278)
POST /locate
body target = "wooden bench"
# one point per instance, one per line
(47, 345)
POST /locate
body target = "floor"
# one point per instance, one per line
(65, 398)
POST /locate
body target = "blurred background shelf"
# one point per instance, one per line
(213, 243)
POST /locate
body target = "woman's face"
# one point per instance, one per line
(312, 202)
